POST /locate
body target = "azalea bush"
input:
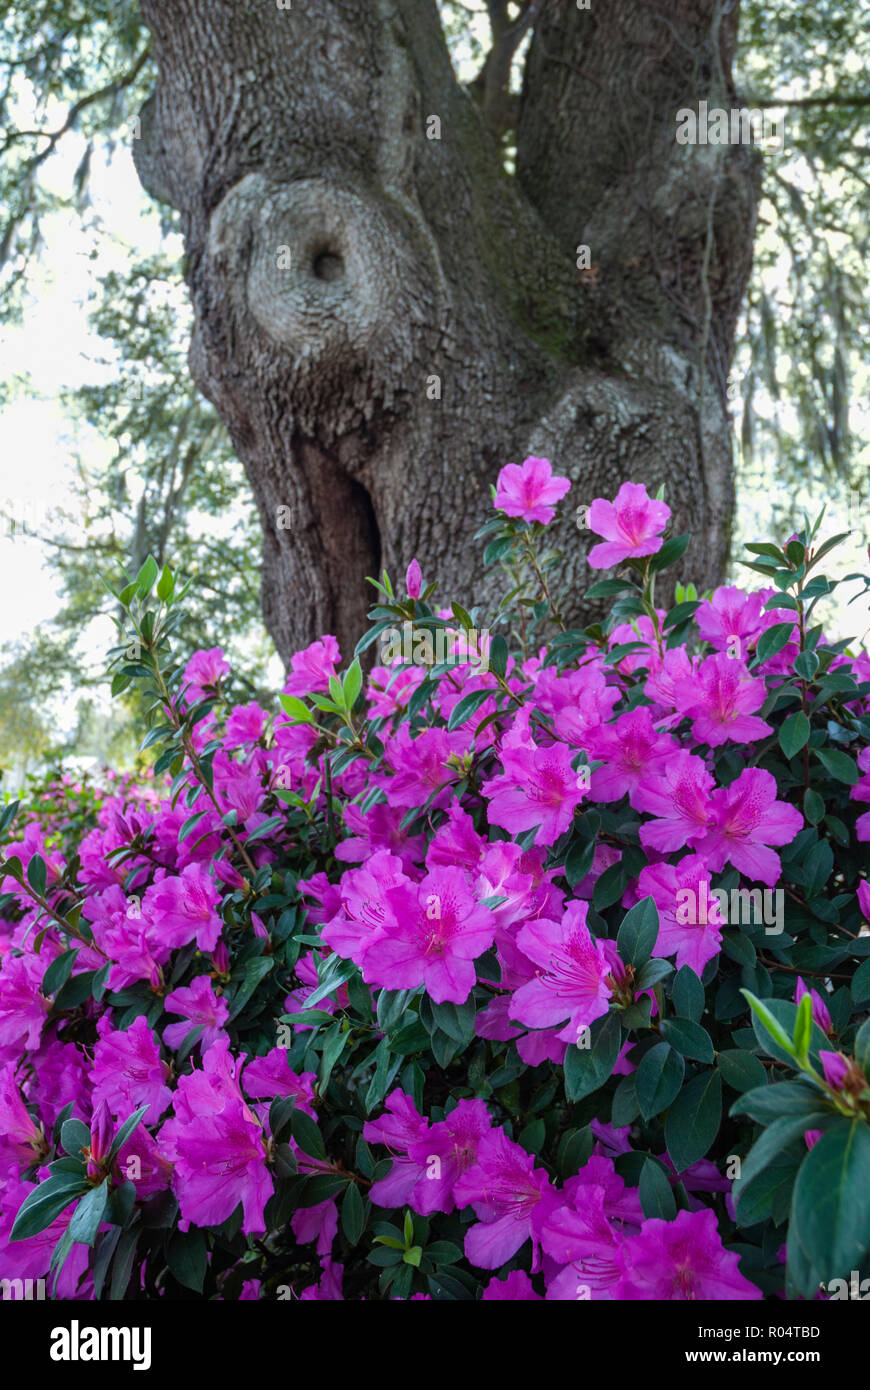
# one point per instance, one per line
(539, 971)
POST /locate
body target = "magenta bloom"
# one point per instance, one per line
(448, 1150)
(529, 490)
(220, 1162)
(821, 1016)
(202, 673)
(128, 1072)
(836, 1068)
(311, 669)
(185, 908)
(23, 1006)
(509, 1195)
(689, 915)
(516, 1288)
(679, 798)
(197, 1004)
(864, 899)
(413, 579)
(720, 698)
(400, 1128)
(749, 819)
(634, 756)
(245, 724)
(432, 933)
(21, 1139)
(681, 1259)
(538, 787)
(571, 981)
(631, 526)
(731, 619)
(420, 766)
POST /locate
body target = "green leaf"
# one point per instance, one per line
(467, 706)
(672, 550)
(353, 1214)
(352, 684)
(767, 1027)
(75, 1136)
(688, 1038)
(165, 584)
(186, 1257)
(307, 1135)
(45, 1203)
(145, 578)
(658, 1078)
(693, 1120)
(586, 1069)
(498, 655)
(296, 710)
(839, 765)
(778, 1100)
(741, 1070)
(794, 734)
(655, 1192)
(687, 994)
(86, 1218)
(772, 640)
(831, 1203)
(336, 972)
(638, 932)
(803, 1027)
(58, 972)
(36, 874)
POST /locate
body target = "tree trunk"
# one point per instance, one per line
(384, 318)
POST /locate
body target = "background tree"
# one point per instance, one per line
(471, 254)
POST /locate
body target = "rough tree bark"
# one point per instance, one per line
(383, 319)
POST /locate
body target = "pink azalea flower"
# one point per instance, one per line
(631, 526)
(681, 1259)
(413, 580)
(679, 798)
(400, 1129)
(21, 1138)
(516, 1287)
(128, 1071)
(220, 1161)
(271, 1076)
(364, 909)
(728, 615)
(197, 1004)
(245, 725)
(748, 820)
(419, 767)
(185, 907)
(572, 980)
(821, 1016)
(537, 787)
(689, 917)
(448, 1150)
(509, 1195)
(376, 829)
(720, 698)
(23, 1006)
(432, 933)
(311, 669)
(864, 898)
(529, 490)
(633, 753)
(202, 673)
